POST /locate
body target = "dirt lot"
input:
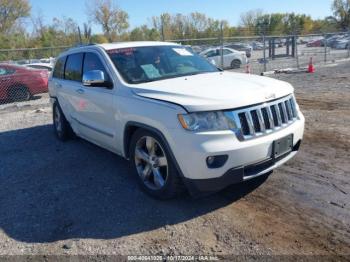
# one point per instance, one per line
(75, 198)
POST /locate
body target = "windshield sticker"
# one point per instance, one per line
(123, 51)
(182, 51)
(150, 71)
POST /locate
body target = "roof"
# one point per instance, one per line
(135, 44)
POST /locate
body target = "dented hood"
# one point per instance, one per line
(214, 91)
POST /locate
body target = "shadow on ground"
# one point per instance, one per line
(54, 191)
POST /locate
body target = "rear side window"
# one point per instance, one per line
(93, 62)
(212, 53)
(59, 68)
(74, 67)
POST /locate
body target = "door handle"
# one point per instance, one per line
(80, 91)
(58, 85)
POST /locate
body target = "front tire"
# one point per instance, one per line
(151, 161)
(61, 126)
(235, 64)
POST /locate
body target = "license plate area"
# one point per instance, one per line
(282, 146)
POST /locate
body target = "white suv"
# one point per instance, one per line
(181, 122)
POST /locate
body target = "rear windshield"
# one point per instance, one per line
(146, 64)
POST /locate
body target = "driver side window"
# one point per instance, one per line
(226, 52)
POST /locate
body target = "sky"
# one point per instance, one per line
(140, 11)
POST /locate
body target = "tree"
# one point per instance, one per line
(11, 11)
(113, 20)
(87, 32)
(249, 21)
(341, 12)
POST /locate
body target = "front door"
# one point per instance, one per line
(95, 110)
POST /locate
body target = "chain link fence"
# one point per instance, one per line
(271, 53)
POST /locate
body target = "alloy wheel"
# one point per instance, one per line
(151, 163)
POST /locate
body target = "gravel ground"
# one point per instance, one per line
(75, 198)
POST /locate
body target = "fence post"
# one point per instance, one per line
(264, 42)
(325, 48)
(296, 50)
(349, 45)
(221, 45)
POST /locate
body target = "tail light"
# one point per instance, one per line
(44, 74)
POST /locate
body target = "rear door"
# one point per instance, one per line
(67, 81)
(95, 107)
(228, 57)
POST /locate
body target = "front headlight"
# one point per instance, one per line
(207, 121)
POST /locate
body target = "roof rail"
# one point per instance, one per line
(82, 45)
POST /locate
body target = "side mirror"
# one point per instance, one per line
(95, 78)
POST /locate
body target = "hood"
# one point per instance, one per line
(214, 91)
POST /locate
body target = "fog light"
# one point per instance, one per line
(210, 160)
(216, 161)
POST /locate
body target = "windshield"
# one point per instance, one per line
(146, 64)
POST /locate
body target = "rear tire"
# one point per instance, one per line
(235, 64)
(19, 93)
(61, 126)
(151, 161)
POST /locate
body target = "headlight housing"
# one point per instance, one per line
(207, 121)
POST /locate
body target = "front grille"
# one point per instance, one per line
(265, 118)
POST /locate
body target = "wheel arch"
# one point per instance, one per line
(130, 129)
(17, 85)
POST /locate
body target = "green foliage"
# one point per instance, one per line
(113, 20)
(341, 12)
(10, 12)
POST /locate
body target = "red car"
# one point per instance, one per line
(315, 43)
(18, 83)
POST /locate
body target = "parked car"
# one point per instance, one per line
(241, 47)
(180, 121)
(231, 58)
(331, 41)
(342, 43)
(43, 66)
(258, 45)
(18, 83)
(315, 43)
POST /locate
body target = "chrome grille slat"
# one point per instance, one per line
(289, 110)
(291, 101)
(263, 119)
(279, 117)
(250, 123)
(269, 113)
(284, 110)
